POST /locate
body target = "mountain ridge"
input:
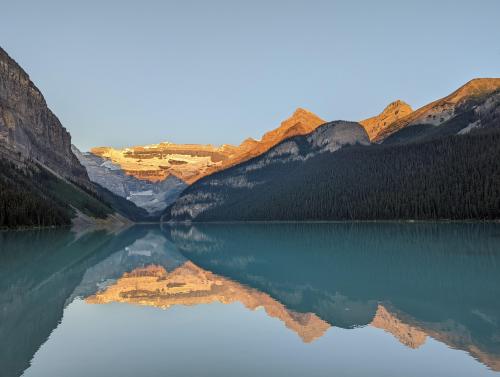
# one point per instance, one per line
(443, 109)
(395, 177)
(190, 162)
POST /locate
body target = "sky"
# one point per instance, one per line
(124, 73)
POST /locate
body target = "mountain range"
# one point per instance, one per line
(153, 176)
(438, 162)
(435, 162)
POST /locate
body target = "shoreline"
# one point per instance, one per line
(187, 222)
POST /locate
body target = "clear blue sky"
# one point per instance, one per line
(133, 72)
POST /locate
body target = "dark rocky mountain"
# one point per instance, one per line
(30, 129)
(447, 170)
(42, 183)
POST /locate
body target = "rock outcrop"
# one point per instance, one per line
(393, 112)
(28, 127)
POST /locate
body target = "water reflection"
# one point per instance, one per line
(190, 285)
(414, 281)
(38, 272)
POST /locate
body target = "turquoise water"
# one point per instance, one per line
(344, 299)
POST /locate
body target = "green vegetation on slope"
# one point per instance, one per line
(32, 196)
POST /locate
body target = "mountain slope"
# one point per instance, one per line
(456, 177)
(472, 114)
(42, 182)
(215, 197)
(30, 195)
(438, 112)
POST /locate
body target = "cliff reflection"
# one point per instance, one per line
(39, 270)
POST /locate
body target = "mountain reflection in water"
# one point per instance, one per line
(414, 281)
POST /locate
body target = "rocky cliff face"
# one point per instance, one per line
(446, 109)
(28, 128)
(190, 162)
(393, 112)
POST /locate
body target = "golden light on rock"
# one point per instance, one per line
(441, 110)
(393, 112)
(190, 162)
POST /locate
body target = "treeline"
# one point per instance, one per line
(22, 204)
(456, 177)
(31, 196)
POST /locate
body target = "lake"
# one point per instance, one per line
(294, 299)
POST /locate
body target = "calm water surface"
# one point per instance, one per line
(244, 300)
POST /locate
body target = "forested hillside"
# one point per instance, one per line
(22, 205)
(31, 196)
(455, 177)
